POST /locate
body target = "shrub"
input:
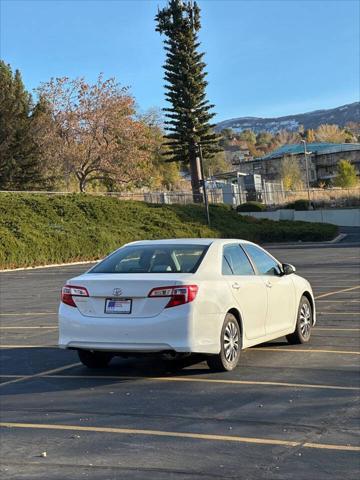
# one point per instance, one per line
(36, 229)
(299, 205)
(251, 207)
(346, 175)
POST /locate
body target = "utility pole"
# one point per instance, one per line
(306, 153)
(203, 182)
(202, 176)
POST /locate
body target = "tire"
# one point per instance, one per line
(231, 344)
(304, 322)
(94, 359)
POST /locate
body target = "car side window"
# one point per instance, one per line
(263, 262)
(235, 261)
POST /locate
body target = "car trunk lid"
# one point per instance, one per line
(125, 292)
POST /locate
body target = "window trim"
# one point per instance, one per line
(226, 260)
(252, 263)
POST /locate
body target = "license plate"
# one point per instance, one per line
(117, 305)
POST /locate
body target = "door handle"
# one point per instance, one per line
(268, 284)
(236, 285)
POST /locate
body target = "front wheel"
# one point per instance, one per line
(303, 325)
(94, 359)
(230, 340)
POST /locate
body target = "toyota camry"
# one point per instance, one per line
(177, 297)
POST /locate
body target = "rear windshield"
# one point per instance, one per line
(153, 259)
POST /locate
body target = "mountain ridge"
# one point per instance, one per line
(339, 116)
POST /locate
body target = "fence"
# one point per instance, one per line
(270, 196)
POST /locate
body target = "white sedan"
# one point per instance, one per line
(176, 297)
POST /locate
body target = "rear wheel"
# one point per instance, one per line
(94, 359)
(303, 325)
(230, 340)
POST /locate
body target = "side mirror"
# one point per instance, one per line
(288, 268)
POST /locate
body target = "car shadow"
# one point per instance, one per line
(271, 344)
(34, 366)
(27, 370)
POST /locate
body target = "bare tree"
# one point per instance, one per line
(286, 137)
(290, 173)
(95, 134)
(330, 133)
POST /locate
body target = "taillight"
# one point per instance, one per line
(178, 295)
(70, 291)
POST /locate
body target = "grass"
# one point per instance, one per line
(36, 229)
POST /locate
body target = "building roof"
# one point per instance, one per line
(229, 175)
(318, 148)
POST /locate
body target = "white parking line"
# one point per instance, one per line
(336, 292)
(339, 313)
(28, 346)
(191, 380)
(301, 350)
(338, 329)
(252, 349)
(26, 314)
(192, 435)
(338, 301)
(41, 374)
(27, 328)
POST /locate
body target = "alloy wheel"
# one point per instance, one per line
(231, 341)
(305, 320)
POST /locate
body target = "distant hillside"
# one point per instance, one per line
(338, 116)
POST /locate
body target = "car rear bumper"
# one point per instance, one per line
(169, 331)
(124, 347)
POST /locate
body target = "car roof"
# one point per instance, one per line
(189, 241)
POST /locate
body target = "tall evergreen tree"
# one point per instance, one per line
(190, 112)
(19, 165)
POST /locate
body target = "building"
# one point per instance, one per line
(238, 187)
(237, 153)
(323, 159)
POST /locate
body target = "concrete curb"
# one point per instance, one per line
(48, 266)
(338, 239)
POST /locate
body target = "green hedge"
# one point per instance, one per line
(36, 229)
(251, 207)
(299, 205)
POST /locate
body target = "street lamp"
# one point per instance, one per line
(306, 153)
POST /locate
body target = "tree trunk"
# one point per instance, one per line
(195, 172)
(82, 184)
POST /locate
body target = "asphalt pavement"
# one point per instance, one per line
(287, 412)
(352, 234)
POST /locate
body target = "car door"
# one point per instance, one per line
(280, 290)
(248, 289)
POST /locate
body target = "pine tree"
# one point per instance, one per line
(19, 165)
(188, 117)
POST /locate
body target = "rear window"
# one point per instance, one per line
(153, 259)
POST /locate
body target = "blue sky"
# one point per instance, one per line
(265, 58)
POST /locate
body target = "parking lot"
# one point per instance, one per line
(285, 412)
